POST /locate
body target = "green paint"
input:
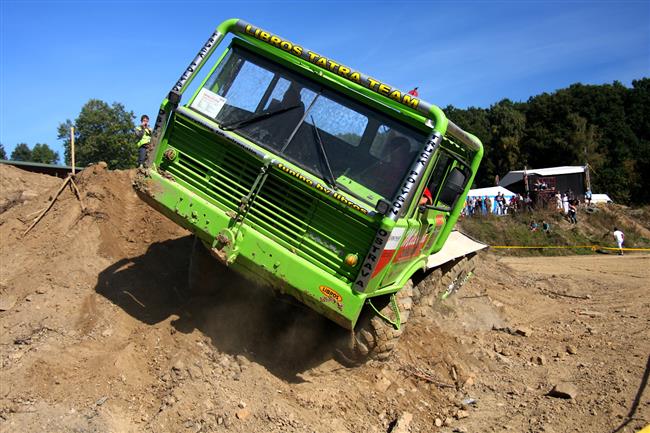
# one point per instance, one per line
(270, 219)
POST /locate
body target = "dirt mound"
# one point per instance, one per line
(99, 335)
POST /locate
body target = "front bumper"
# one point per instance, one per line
(252, 254)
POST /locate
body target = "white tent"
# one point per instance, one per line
(600, 198)
(492, 193)
(517, 175)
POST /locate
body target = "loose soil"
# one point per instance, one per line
(99, 335)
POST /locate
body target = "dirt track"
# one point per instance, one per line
(98, 336)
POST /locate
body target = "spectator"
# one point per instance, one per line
(565, 203)
(588, 197)
(573, 211)
(620, 238)
(499, 199)
(558, 201)
(532, 226)
(478, 209)
(529, 203)
(143, 134)
(546, 227)
(488, 205)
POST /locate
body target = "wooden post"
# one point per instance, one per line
(72, 147)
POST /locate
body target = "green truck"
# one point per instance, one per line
(317, 180)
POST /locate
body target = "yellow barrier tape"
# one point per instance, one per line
(591, 247)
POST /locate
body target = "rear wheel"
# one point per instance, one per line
(443, 282)
(374, 337)
(205, 272)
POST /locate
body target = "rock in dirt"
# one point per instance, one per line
(403, 423)
(462, 414)
(571, 350)
(28, 195)
(242, 414)
(178, 366)
(539, 360)
(565, 390)
(438, 422)
(383, 384)
(7, 302)
(524, 331)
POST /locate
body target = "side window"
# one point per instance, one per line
(440, 170)
(383, 143)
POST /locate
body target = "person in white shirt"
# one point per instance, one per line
(565, 204)
(620, 238)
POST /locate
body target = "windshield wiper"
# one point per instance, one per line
(257, 117)
(331, 180)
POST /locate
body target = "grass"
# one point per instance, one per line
(593, 228)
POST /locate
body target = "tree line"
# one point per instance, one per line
(39, 153)
(606, 126)
(103, 132)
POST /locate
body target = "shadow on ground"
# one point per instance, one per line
(239, 317)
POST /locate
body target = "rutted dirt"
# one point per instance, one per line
(98, 335)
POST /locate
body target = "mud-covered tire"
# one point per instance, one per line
(205, 272)
(374, 337)
(442, 283)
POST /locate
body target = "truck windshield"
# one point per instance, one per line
(351, 146)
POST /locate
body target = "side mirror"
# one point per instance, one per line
(453, 187)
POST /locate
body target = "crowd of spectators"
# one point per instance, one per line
(566, 203)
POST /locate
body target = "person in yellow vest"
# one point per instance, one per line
(143, 133)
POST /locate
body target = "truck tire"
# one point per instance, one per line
(442, 283)
(205, 273)
(374, 337)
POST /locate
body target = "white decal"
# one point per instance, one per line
(208, 103)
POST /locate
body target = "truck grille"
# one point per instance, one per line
(284, 210)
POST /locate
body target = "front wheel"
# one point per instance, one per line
(374, 337)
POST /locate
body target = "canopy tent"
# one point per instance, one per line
(548, 181)
(600, 198)
(517, 175)
(491, 192)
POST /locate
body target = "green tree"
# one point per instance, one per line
(3, 152)
(507, 123)
(22, 152)
(43, 153)
(102, 133)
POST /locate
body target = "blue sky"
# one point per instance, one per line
(56, 55)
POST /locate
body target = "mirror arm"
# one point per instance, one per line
(440, 208)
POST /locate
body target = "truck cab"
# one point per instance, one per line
(304, 173)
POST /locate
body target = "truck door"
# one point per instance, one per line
(432, 220)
